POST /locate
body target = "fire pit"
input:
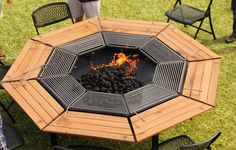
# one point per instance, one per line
(112, 78)
(113, 73)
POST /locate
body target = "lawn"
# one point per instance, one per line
(16, 28)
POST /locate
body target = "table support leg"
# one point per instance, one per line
(53, 139)
(155, 140)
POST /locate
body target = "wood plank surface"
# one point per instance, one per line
(166, 115)
(185, 45)
(193, 81)
(94, 125)
(47, 97)
(24, 104)
(37, 103)
(18, 60)
(132, 26)
(29, 62)
(204, 50)
(215, 73)
(201, 80)
(71, 32)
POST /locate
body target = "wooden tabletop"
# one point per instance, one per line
(198, 96)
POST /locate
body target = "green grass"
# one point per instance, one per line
(16, 28)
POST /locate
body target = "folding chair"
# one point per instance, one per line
(50, 14)
(13, 137)
(184, 142)
(189, 15)
(3, 70)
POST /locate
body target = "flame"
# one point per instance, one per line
(118, 60)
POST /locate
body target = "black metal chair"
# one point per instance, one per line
(189, 15)
(3, 70)
(184, 142)
(79, 147)
(51, 13)
(13, 137)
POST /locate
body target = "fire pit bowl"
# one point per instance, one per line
(113, 78)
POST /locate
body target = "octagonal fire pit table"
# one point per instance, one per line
(111, 78)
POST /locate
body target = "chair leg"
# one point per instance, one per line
(8, 113)
(198, 29)
(72, 20)
(168, 20)
(155, 141)
(212, 30)
(53, 139)
(37, 30)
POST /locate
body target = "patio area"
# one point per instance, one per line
(16, 28)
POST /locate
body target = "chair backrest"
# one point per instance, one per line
(208, 7)
(203, 145)
(51, 13)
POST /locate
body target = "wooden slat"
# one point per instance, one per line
(132, 26)
(24, 104)
(197, 80)
(215, 72)
(189, 79)
(95, 125)
(41, 61)
(47, 97)
(180, 45)
(196, 44)
(22, 90)
(201, 80)
(30, 62)
(205, 81)
(188, 55)
(97, 117)
(18, 60)
(70, 33)
(39, 99)
(165, 116)
(193, 81)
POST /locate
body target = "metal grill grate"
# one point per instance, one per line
(158, 51)
(147, 97)
(65, 88)
(60, 62)
(124, 40)
(170, 75)
(85, 45)
(101, 103)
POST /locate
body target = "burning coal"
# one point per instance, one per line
(116, 77)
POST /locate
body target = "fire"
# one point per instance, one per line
(121, 59)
